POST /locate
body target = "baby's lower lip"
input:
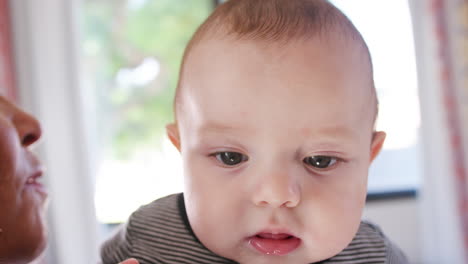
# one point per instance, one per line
(278, 245)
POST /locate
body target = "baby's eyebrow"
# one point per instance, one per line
(332, 131)
(218, 127)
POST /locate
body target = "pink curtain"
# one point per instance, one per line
(7, 78)
(452, 48)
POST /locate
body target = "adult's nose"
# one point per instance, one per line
(276, 190)
(28, 128)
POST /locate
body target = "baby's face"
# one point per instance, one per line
(276, 143)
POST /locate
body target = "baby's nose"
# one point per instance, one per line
(277, 191)
(28, 128)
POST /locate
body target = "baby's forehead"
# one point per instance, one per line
(273, 26)
(279, 69)
(249, 87)
(275, 52)
(294, 62)
(254, 125)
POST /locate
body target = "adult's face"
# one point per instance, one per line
(22, 197)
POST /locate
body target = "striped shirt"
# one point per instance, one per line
(160, 233)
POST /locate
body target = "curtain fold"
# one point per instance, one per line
(451, 31)
(7, 78)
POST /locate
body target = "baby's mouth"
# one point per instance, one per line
(274, 244)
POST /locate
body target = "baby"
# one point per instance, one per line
(275, 112)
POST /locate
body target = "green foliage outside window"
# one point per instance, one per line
(123, 34)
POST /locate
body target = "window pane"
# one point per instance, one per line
(133, 49)
(386, 27)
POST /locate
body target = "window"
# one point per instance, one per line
(387, 29)
(132, 53)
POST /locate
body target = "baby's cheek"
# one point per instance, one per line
(329, 228)
(331, 214)
(211, 222)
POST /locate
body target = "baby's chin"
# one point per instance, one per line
(298, 257)
(306, 252)
(323, 242)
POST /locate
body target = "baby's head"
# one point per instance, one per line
(275, 113)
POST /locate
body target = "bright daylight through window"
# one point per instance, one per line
(132, 53)
(387, 28)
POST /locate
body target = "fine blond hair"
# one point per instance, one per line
(276, 21)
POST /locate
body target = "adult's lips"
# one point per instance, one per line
(34, 182)
(274, 243)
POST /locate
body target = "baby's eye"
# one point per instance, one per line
(230, 158)
(320, 162)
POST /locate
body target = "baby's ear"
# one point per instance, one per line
(378, 139)
(173, 133)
